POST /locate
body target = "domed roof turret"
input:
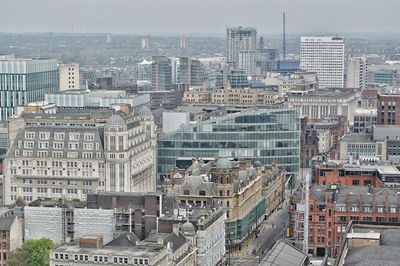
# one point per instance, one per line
(188, 228)
(166, 182)
(257, 164)
(115, 120)
(223, 163)
(144, 110)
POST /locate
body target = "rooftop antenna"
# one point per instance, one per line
(284, 37)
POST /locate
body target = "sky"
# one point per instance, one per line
(198, 16)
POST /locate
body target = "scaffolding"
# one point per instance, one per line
(301, 216)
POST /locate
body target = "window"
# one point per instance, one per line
(28, 144)
(367, 208)
(88, 137)
(73, 145)
(44, 135)
(43, 145)
(72, 183)
(356, 182)
(321, 218)
(342, 219)
(58, 145)
(354, 208)
(393, 210)
(58, 136)
(380, 209)
(74, 136)
(42, 182)
(367, 219)
(380, 219)
(202, 193)
(186, 192)
(86, 183)
(29, 135)
(392, 219)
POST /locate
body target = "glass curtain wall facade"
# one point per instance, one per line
(263, 135)
(23, 81)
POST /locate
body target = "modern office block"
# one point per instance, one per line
(325, 56)
(161, 73)
(25, 80)
(263, 135)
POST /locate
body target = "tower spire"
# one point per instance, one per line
(284, 37)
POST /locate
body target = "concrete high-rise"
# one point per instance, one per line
(69, 76)
(25, 80)
(161, 73)
(356, 72)
(325, 56)
(238, 39)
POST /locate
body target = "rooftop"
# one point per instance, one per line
(284, 254)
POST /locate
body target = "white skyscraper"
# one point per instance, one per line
(356, 72)
(239, 39)
(325, 56)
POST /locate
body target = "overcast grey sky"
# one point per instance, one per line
(198, 16)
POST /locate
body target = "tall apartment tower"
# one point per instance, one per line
(68, 76)
(238, 39)
(25, 80)
(356, 72)
(325, 56)
(161, 73)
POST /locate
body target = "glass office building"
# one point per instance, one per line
(25, 80)
(262, 135)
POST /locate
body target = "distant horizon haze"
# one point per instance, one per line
(206, 17)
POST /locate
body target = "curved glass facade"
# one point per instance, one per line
(263, 135)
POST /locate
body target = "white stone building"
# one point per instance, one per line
(68, 76)
(68, 153)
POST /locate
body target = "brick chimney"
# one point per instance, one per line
(361, 202)
(348, 202)
(326, 196)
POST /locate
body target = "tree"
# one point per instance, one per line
(32, 253)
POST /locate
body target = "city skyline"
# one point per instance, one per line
(141, 18)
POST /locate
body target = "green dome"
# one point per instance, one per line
(223, 163)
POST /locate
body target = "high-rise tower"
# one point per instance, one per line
(238, 39)
(325, 56)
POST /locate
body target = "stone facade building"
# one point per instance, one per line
(68, 153)
(237, 186)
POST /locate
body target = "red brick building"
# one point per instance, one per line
(388, 108)
(331, 173)
(332, 207)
